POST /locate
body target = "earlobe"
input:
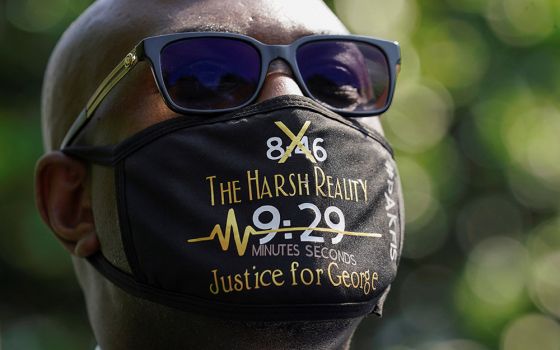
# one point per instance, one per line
(63, 200)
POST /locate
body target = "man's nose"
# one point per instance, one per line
(279, 81)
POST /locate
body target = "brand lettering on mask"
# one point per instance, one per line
(391, 209)
(295, 142)
(261, 187)
(273, 227)
(298, 144)
(310, 251)
(255, 279)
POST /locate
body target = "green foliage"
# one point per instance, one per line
(475, 124)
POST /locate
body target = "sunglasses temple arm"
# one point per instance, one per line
(102, 91)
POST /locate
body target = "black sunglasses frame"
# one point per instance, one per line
(150, 49)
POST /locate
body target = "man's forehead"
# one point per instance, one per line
(272, 22)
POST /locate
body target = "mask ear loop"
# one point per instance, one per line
(104, 155)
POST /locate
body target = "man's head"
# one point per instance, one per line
(77, 200)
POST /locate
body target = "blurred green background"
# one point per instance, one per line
(476, 128)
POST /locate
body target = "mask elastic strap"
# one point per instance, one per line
(104, 155)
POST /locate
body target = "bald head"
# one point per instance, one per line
(108, 29)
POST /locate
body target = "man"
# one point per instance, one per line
(185, 273)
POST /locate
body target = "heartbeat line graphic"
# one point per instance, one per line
(241, 241)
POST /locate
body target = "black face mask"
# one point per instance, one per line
(280, 211)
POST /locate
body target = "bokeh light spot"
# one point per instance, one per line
(545, 286)
(393, 20)
(530, 138)
(545, 239)
(420, 119)
(485, 319)
(462, 57)
(543, 159)
(521, 22)
(417, 188)
(36, 15)
(497, 269)
(532, 331)
(530, 17)
(410, 71)
(426, 221)
(532, 192)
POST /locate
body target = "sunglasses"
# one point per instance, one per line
(209, 73)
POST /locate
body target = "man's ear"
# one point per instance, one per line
(63, 199)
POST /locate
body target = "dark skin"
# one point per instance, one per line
(77, 200)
